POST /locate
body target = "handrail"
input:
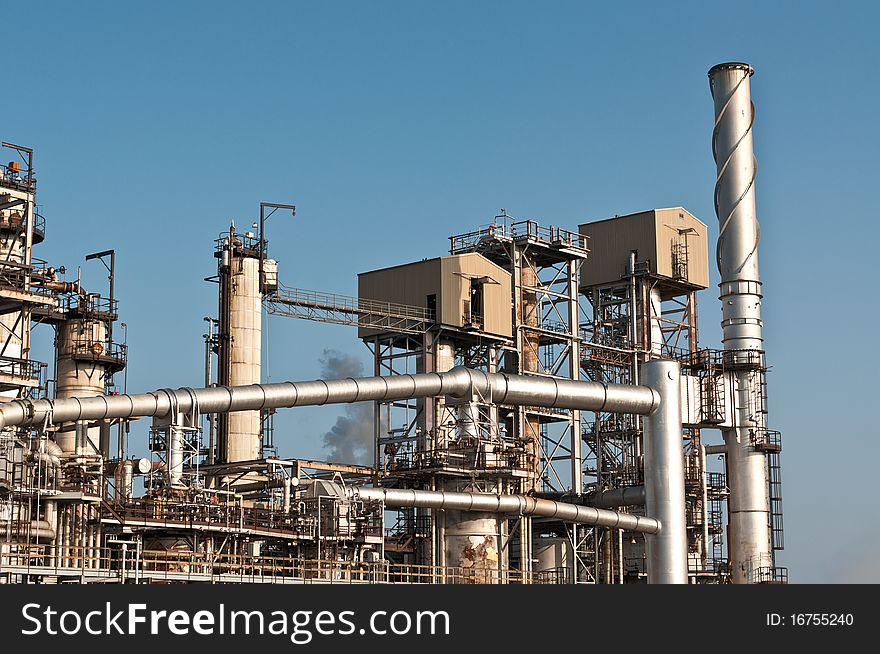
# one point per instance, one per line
(175, 565)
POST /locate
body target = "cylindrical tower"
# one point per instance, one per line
(18, 233)
(241, 314)
(737, 258)
(471, 542)
(81, 344)
(12, 327)
(530, 361)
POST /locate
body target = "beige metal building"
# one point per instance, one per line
(669, 243)
(467, 291)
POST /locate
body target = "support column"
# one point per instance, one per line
(664, 475)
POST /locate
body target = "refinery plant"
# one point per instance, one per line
(543, 409)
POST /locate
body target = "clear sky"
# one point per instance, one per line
(392, 125)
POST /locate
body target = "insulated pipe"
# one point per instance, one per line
(53, 448)
(468, 420)
(609, 499)
(656, 317)
(257, 486)
(288, 484)
(125, 486)
(40, 529)
(664, 476)
(514, 504)
(60, 287)
(498, 388)
(737, 254)
(175, 455)
(48, 459)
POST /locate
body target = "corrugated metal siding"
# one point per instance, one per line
(457, 273)
(668, 223)
(652, 234)
(448, 278)
(610, 244)
(407, 284)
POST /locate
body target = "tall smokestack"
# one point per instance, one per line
(750, 547)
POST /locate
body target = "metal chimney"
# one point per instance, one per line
(750, 549)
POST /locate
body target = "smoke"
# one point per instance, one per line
(350, 440)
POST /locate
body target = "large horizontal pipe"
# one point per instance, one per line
(513, 504)
(262, 486)
(38, 529)
(608, 499)
(459, 382)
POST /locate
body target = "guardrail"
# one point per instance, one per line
(20, 368)
(524, 229)
(16, 179)
(183, 566)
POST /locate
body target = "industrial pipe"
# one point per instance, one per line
(262, 486)
(513, 504)
(737, 254)
(664, 475)
(60, 287)
(42, 530)
(175, 455)
(46, 452)
(49, 460)
(459, 382)
(614, 497)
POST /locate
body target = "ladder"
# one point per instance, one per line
(774, 478)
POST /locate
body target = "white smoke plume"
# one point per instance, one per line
(350, 440)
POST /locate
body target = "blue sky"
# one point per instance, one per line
(392, 125)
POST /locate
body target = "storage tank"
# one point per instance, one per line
(552, 559)
(473, 546)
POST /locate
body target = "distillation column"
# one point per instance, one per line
(85, 362)
(22, 520)
(737, 254)
(14, 325)
(241, 314)
(79, 343)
